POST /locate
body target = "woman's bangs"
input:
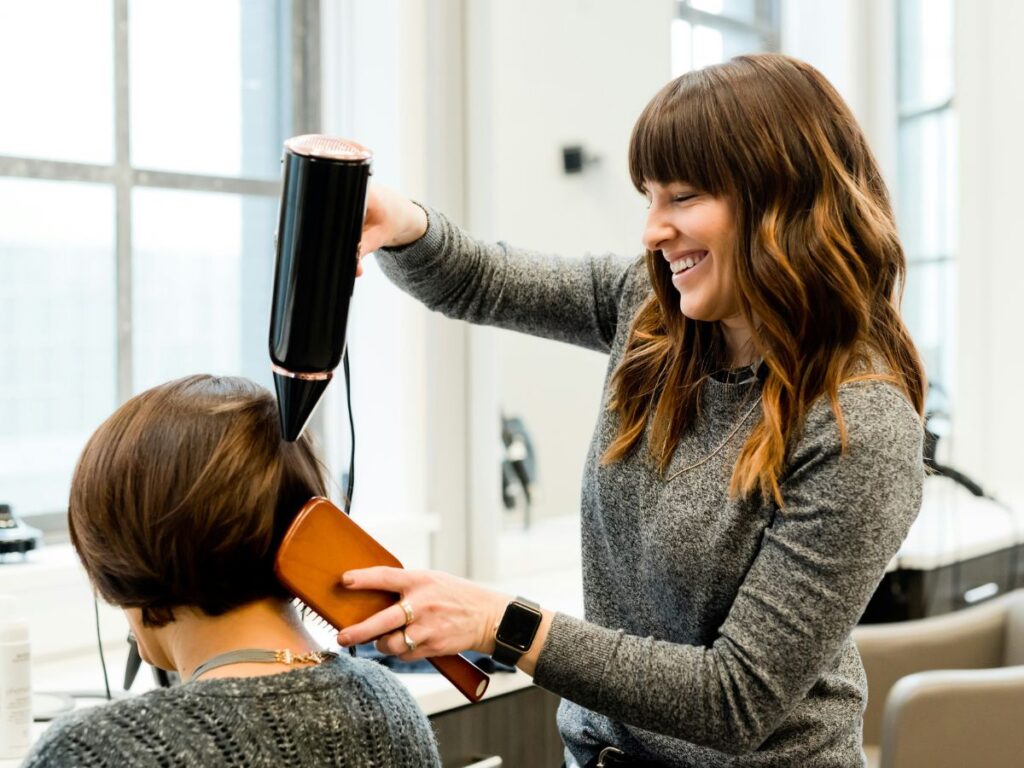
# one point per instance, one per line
(676, 138)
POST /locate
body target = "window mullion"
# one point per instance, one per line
(306, 62)
(201, 183)
(55, 170)
(908, 114)
(123, 196)
(726, 23)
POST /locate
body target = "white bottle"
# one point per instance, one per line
(15, 683)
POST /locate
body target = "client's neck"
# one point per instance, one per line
(193, 638)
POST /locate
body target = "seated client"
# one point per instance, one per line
(178, 504)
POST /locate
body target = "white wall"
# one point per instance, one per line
(542, 75)
(852, 43)
(374, 93)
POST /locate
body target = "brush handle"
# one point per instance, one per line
(463, 674)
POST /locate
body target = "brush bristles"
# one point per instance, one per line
(307, 614)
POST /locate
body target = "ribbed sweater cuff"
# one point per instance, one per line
(420, 252)
(575, 656)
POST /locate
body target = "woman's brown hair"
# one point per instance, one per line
(182, 496)
(818, 264)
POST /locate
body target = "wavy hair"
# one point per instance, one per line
(818, 265)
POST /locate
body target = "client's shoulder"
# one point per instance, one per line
(341, 701)
(347, 676)
(101, 735)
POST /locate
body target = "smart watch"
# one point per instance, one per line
(516, 631)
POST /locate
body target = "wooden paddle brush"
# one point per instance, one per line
(321, 544)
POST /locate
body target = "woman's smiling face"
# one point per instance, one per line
(695, 233)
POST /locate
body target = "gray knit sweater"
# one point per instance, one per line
(345, 712)
(717, 629)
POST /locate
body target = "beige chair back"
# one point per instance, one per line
(973, 638)
(1014, 655)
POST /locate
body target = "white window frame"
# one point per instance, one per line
(767, 25)
(906, 115)
(304, 85)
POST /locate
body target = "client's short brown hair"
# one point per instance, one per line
(182, 496)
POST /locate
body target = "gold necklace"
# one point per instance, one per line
(724, 443)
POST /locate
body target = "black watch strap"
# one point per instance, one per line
(516, 631)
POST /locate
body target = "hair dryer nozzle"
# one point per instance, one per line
(296, 400)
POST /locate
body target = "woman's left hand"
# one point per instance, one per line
(450, 614)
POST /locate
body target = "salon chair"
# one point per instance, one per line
(948, 690)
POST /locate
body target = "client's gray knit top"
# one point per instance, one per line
(717, 629)
(345, 712)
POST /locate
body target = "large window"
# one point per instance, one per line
(139, 174)
(927, 183)
(709, 31)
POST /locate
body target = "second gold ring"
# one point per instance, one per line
(408, 611)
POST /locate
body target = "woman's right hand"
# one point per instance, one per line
(391, 220)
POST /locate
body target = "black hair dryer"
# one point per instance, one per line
(323, 202)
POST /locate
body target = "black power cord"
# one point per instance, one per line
(352, 433)
(99, 644)
(352, 454)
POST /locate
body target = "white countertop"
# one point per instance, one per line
(954, 525)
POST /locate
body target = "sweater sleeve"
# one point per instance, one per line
(571, 300)
(821, 558)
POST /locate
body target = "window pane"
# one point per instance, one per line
(57, 57)
(58, 346)
(708, 46)
(743, 10)
(222, 108)
(202, 274)
(926, 310)
(927, 191)
(682, 47)
(736, 43)
(925, 52)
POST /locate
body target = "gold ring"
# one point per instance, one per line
(408, 611)
(409, 642)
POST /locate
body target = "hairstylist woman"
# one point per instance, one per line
(757, 460)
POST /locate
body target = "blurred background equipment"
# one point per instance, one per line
(518, 468)
(966, 546)
(16, 536)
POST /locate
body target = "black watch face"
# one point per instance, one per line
(518, 626)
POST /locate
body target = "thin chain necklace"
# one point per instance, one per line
(717, 450)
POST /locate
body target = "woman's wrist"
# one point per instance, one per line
(414, 225)
(528, 661)
(491, 619)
